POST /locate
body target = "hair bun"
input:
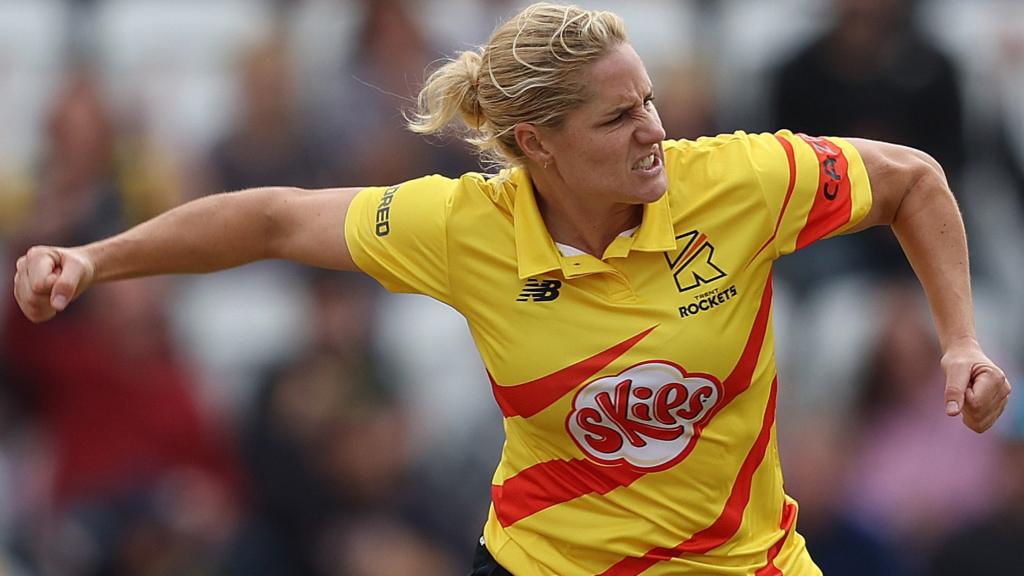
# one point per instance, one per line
(469, 64)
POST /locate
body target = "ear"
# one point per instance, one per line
(531, 142)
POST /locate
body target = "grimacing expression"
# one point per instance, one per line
(609, 148)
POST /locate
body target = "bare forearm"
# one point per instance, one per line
(929, 227)
(205, 235)
(910, 194)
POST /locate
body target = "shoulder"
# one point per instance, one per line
(710, 169)
(471, 199)
(719, 155)
(468, 187)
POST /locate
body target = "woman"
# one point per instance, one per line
(618, 286)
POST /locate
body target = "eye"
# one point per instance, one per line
(619, 118)
(649, 102)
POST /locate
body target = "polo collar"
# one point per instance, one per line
(536, 252)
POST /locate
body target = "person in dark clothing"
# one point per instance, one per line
(871, 74)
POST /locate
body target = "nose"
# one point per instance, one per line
(650, 130)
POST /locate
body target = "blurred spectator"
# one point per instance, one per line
(140, 476)
(455, 427)
(92, 180)
(78, 196)
(367, 130)
(871, 74)
(236, 323)
(288, 444)
(287, 440)
(128, 473)
(329, 456)
(270, 144)
(917, 473)
(816, 460)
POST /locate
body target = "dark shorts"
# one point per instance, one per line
(485, 565)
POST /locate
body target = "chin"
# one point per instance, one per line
(651, 192)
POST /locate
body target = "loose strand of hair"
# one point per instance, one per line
(560, 34)
(515, 54)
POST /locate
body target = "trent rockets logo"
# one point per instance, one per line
(693, 265)
(646, 416)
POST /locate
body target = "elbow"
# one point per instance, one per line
(929, 164)
(926, 186)
(927, 173)
(903, 181)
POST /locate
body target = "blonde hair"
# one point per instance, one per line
(529, 71)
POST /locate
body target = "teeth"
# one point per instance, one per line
(646, 163)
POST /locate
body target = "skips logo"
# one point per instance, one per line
(646, 416)
(692, 266)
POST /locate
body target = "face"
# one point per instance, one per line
(608, 150)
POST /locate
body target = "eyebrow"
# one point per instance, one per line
(617, 111)
(628, 107)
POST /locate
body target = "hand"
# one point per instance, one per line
(49, 278)
(975, 387)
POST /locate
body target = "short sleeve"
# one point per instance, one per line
(814, 187)
(398, 235)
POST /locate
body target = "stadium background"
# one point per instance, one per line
(277, 420)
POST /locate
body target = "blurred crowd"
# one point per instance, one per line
(276, 420)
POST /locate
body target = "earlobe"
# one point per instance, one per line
(531, 142)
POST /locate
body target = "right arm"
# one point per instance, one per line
(205, 235)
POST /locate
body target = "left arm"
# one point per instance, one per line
(910, 194)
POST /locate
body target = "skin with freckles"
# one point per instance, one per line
(586, 170)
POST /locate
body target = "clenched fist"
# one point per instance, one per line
(49, 278)
(975, 387)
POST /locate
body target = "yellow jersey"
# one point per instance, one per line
(638, 389)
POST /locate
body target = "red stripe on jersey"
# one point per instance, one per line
(832, 202)
(788, 517)
(531, 397)
(554, 482)
(743, 373)
(791, 159)
(727, 523)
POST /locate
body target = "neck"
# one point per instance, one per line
(585, 225)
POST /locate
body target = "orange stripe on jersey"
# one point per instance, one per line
(791, 159)
(550, 483)
(694, 247)
(553, 482)
(832, 202)
(788, 517)
(531, 397)
(728, 522)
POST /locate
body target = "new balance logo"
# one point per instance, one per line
(539, 290)
(692, 266)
